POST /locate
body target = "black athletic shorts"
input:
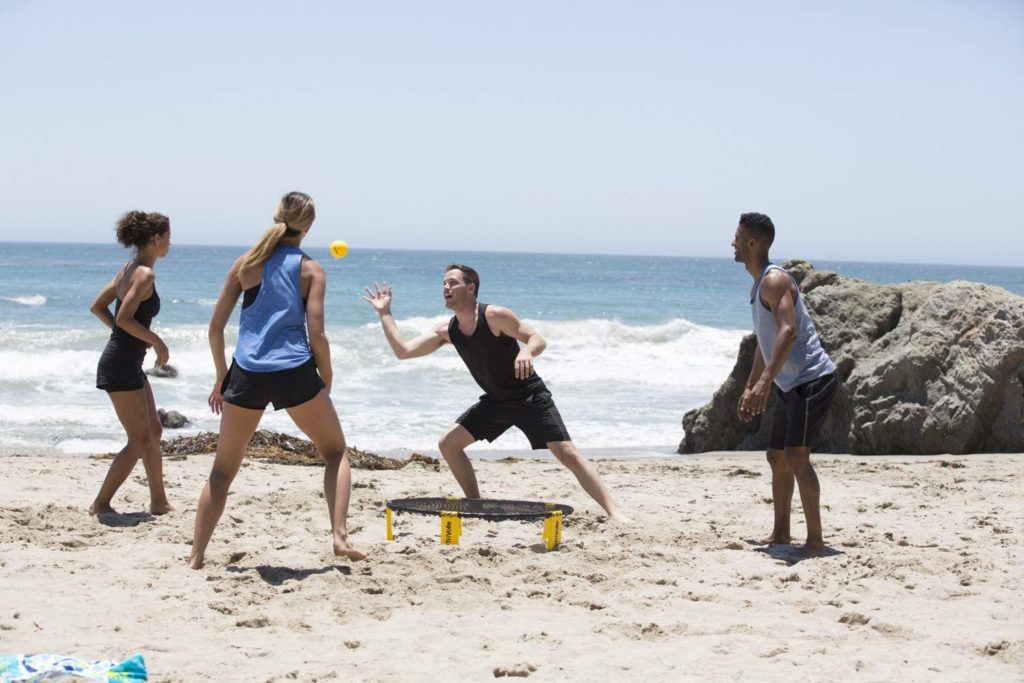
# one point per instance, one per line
(116, 374)
(801, 411)
(536, 416)
(283, 388)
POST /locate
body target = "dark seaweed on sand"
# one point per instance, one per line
(285, 450)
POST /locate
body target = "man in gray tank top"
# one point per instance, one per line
(788, 355)
(498, 349)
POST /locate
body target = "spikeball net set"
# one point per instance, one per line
(453, 510)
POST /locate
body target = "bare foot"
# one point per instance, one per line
(161, 508)
(776, 539)
(194, 562)
(97, 509)
(342, 548)
(815, 549)
(619, 518)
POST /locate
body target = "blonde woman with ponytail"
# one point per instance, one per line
(282, 357)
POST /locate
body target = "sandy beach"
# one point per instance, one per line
(923, 579)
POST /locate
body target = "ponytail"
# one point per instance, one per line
(261, 251)
(295, 213)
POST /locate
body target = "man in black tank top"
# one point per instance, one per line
(488, 338)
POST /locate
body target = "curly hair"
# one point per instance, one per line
(137, 228)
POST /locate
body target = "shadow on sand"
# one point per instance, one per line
(276, 576)
(124, 519)
(791, 554)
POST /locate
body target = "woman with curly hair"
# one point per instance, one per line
(119, 373)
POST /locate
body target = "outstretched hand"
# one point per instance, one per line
(379, 298)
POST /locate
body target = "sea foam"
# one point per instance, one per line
(34, 300)
(615, 383)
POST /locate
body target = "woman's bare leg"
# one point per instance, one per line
(133, 412)
(236, 428)
(318, 419)
(152, 460)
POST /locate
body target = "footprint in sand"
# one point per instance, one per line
(516, 671)
(995, 648)
(892, 631)
(221, 607)
(651, 631)
(33, 521)
(854, 619)
(742, 472)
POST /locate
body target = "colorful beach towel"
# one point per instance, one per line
(23, 668)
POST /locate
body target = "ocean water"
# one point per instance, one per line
(633, 341)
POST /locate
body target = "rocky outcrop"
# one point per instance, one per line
(926, 368)
(167, 371)
(172, 419)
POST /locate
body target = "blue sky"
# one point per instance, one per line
(881, 131)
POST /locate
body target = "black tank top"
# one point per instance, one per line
(492, 360)
(127, 346)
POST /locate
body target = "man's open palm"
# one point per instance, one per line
(379, 298)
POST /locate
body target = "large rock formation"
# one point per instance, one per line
(926, 368)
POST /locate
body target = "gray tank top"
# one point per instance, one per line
(807, 361)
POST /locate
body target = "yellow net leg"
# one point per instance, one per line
(552, 530)
(387, 517)
(550, 507)
(451, 528)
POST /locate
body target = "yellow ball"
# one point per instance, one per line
(339, 249)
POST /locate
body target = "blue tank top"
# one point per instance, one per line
(807, 359)
(272, 330)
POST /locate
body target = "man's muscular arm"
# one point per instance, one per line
(504, 321)
(777, 291)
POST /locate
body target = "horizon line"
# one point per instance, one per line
(538, 253)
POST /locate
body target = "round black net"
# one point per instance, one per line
(486, 508)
